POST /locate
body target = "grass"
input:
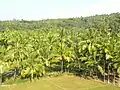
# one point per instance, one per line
(61, 83)
(16, 81)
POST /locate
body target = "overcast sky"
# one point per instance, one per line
(43, 9)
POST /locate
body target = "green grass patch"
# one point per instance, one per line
(16, 81)
(61, 83)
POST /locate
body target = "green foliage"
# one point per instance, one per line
(100, 69)
(87, 46)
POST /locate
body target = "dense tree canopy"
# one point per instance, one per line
(85, 46)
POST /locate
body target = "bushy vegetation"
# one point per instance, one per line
(88, 46)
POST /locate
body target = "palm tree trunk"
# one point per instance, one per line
(108, 74)
(79, 67)
(119, 81)
(104, 71)
(62, 65)
(14, 75)
(68, 69)
(113, 77)
(0, 79)
(91, 70)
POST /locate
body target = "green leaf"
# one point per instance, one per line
(84, 47)
(1, 68)
(108, 56)
(83, 58)
(47, 63)
(106, 50)
(118, 70)
(90, 48)
(100, 69)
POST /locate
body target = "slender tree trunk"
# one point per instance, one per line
(62, 65)
(96, 75)
(104, 71)
(68, 67)
(0, 79)
(14, 75)
(91, 70)
(68, 70)
(108, 74)
(79, 67)
(119, 81)
(65, 68)
(113, 77)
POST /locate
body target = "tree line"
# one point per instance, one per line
(85, 46)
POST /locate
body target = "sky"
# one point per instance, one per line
(47, 9)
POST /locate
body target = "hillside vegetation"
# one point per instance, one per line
(85, 46)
